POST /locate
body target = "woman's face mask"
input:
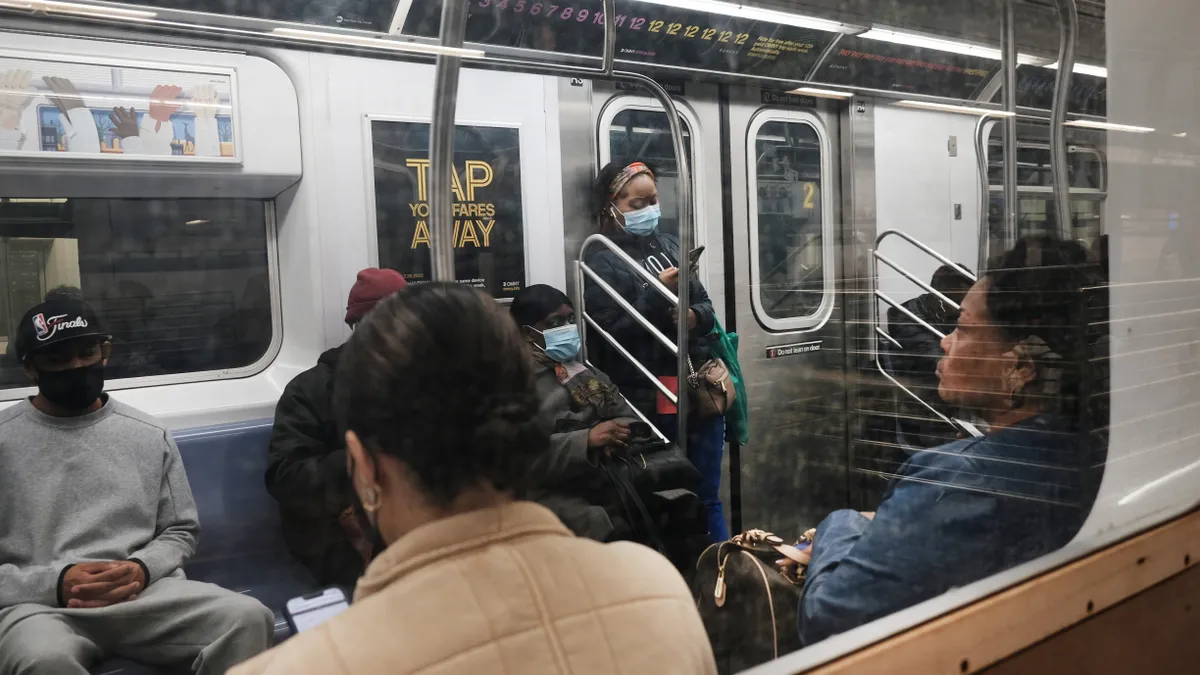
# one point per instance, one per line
(562, 343)
(642, 222)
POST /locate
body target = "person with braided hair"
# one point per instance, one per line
(1019, 362)
(436, 392)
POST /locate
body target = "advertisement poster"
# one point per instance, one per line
(489, 232)
(98, 110)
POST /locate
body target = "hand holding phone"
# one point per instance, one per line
(309, 611)
(694, 257)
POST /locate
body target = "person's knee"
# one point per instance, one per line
(40, 657)
(245, 614)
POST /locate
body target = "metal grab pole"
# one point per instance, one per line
(684, 196)
(1068, 19)
(441, 141)
(985, 190)
(1009, 91)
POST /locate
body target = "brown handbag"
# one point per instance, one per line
(749, 600)
(711, 387)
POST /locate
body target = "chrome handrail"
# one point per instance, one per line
(1068, 31)
(878, 257)
(585, 273)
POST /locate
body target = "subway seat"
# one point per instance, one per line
(241, 546)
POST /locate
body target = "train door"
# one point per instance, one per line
(786, 249)
(632, 126)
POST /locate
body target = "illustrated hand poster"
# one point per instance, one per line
(489, 235)
(49, 106)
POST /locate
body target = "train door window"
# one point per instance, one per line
(790, 259)
(183, 286)
(643, 134)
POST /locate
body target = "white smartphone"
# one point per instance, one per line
(309, 611)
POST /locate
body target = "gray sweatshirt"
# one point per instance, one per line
(108, 485)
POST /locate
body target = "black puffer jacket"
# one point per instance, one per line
(306, 474)
(656, 252)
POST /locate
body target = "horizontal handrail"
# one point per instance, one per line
(630, 309)
(907, 312)
(958, 424)
(631, 358)
(908, 275)
(957, 268)
(628, 260)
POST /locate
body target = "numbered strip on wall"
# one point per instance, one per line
(51, 106)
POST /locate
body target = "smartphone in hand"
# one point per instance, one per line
(694, 257)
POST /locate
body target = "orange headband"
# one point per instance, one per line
(627, 174)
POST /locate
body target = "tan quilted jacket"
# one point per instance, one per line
(505, 590)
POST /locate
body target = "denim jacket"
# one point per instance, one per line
(954, 514)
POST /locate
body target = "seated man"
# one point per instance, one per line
(96, 522)
(306, 467)
(1018, 360)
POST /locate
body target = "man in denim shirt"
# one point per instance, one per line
(974, 507)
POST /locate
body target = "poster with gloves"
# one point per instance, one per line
(93, 109)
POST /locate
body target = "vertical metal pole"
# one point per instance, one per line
(1009, 92)
(1068, 31)
(610, 35)
(985, 191)
(684, 195)
(441, 141)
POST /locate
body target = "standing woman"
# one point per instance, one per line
(626, 209)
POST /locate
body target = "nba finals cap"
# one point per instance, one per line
(54, 321)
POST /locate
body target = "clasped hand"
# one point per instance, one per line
(100, 584)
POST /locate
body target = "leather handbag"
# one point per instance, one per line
(748, 601)
(712, 388)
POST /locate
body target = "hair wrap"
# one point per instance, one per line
(627, 174)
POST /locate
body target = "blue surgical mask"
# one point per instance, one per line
(643, 222)
(562, 343)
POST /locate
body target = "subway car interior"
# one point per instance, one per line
(834, 158)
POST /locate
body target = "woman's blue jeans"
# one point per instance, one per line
(705, 447)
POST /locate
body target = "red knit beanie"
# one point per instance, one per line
(372, 286)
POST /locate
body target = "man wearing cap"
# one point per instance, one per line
(306, 466)
(97, 520)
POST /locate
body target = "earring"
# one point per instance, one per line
(372, 500)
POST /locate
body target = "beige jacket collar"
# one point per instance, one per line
(453, 536)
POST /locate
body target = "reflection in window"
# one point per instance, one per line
(182, 285)
(791, 281)
(1085, 166)
(644, 135)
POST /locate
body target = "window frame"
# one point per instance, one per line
(273, 349)
(818, 318)
(623, 102)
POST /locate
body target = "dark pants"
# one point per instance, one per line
(705, 446)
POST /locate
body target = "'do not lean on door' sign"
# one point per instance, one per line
(780, 351)
(89, 108)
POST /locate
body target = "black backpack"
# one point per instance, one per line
(747, 602)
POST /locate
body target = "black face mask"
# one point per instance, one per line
(73, 389)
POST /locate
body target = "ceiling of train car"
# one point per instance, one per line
(970, 20)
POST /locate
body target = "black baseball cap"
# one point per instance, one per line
(55, 321)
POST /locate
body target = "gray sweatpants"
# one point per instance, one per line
(174, 622)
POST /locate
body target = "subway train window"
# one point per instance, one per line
(182, 285)
(790, 276)
(636, 134)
